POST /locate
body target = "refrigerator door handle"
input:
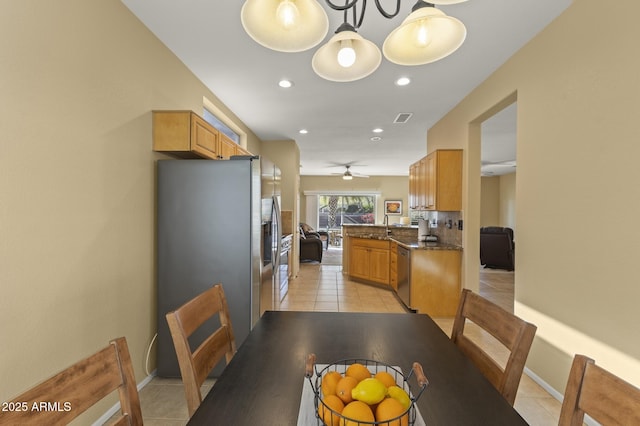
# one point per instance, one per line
(278, 236)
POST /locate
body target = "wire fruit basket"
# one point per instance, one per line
(332, 417)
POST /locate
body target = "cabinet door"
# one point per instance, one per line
(431, 181)
(393, 266)
(413, 186)
(204, 138)
(379, 265)
(227, 147)
(359, 262)
(448, 178)
(422, 184)
(435, 281)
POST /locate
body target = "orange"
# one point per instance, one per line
(387, 379)
(358, 371)
(344, 387)
(356, 411)
(389, 409)
(335, 404)
(329, 382)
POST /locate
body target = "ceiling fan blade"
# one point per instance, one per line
(508, 163)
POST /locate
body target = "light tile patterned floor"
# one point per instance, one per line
(324, 288)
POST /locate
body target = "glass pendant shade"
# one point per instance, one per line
(367, 57)
(285, 25)
(425, 36)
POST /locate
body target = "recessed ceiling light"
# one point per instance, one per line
(285, 84)
(378, 130)
(376, 139)
(403, 81)
(303, 131)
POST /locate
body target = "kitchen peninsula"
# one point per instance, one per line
(425, 275)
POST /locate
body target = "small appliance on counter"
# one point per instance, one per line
(423, 232)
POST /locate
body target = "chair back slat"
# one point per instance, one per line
(602, 395)
(196, 365)
(513, 332)
(79, 387)
(211, 351)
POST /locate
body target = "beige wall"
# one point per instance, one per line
(508, 200)
(577, 89)
(389, 187)
(497, 200)
(77, 182)
(490, 201)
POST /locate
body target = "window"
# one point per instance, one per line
(335, 210)
(222, 128)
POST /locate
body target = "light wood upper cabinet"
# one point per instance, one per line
(187, 135)
(204, 138)
(241, 151)
(227, 147)
(422, 184)
(413, 186)
(437, 181)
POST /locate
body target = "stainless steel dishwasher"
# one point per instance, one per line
(404, 275)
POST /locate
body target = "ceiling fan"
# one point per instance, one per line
(348, 174)
(489, 168)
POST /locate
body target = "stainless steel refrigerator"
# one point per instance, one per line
(210, 229)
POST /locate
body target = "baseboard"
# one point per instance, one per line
(554, 393)
(113, 410)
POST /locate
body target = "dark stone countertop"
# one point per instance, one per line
(413, 244)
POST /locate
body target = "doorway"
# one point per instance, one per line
(498, 198)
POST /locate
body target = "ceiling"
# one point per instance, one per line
(209, 39)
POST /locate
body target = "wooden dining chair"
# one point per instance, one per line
(603, 396)
(196, 365)
(65, 396)
(513, 332)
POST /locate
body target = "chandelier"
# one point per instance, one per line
(425, 36)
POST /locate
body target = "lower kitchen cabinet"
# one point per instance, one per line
(435, 281)
(369, 260)
(393, 265)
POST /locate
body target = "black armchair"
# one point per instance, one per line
(307, 231)
(310, 248)
(497, 248)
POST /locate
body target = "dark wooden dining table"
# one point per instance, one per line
(262, 385)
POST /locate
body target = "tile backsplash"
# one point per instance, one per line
(443, 224)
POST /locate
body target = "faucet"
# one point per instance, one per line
(386, 224)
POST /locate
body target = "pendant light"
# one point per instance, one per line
(347, 56)
(425, 36)
(285, 25)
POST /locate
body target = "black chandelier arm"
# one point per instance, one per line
(386, 14)
(348, 5)
(352, 5)
(364, 7)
